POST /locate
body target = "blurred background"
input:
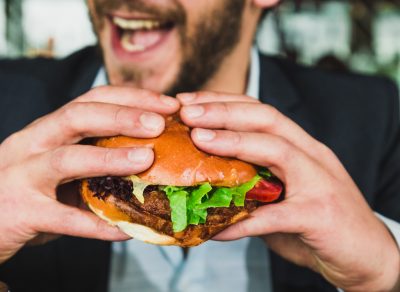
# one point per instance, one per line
(356, 35)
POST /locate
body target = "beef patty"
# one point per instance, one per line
(155, 212)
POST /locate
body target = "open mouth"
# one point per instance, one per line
(136, 36)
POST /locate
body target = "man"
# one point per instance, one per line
(325, 227)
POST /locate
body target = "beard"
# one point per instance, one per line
(211, 39)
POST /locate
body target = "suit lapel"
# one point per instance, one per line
(278, 90)
(83, 264)
(86, 73)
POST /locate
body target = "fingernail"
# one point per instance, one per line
(205, 135)
(186, 97)
(170, 101)
(150, 121)
(193, 111)
(139, 155)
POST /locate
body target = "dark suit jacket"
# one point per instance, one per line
(356, 116)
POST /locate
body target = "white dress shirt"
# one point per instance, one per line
(241, 265)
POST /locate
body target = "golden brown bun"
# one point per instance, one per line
(177, 162)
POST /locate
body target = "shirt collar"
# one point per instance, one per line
(101, 78)
(253, 87)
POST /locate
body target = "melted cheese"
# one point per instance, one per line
(138, 187)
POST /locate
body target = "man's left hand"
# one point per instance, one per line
(324, 223)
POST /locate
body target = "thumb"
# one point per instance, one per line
(57, 218)
(280, 217)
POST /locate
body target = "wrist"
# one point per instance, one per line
(393, 269)
(396, 287)
(388, 277)
(379, 284)
(380, 269)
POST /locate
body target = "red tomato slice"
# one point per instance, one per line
(265, 191)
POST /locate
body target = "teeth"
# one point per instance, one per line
(136, 24)
(128, 46)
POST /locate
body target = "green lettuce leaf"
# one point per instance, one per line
(265, 173)
(239, 193)
(198, 194)
(196, 216)
(189, 204)
(221, 197)
(177, 199)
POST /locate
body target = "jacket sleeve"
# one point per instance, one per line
(387, 197)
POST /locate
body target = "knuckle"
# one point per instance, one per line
(242, 228)
(145, 93)
(227, 112)
(325, 150)
(71, 118)
(69, 114)
(118, 116)
(94, 93)
(66, 223)
(126, 119)
(200, 95)
(59, 160)
(271, 114)
(237, 142)
(108, 156)
(330, 158)
(12, 140)
(225, 108)
(283, 150)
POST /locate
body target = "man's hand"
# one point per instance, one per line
(324, 223)
(37, 160)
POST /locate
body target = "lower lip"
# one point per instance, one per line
(121, 53)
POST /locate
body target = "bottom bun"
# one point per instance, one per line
(138, 231)
(152, 229)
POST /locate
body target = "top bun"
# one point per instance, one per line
(178, 162)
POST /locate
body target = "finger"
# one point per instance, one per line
(259, 118)
(132, 97)
(76, 121)
(80, 120)
(274, 152)
(207, 97)
(79, 161)
(57, 218)
(269, 219)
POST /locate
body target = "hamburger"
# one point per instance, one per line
(185, 198)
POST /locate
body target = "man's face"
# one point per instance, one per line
(167, 46)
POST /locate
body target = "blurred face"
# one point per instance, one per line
(167, 46)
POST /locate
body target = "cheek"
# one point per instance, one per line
(196, 11)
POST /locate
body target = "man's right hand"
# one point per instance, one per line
(35, 161)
